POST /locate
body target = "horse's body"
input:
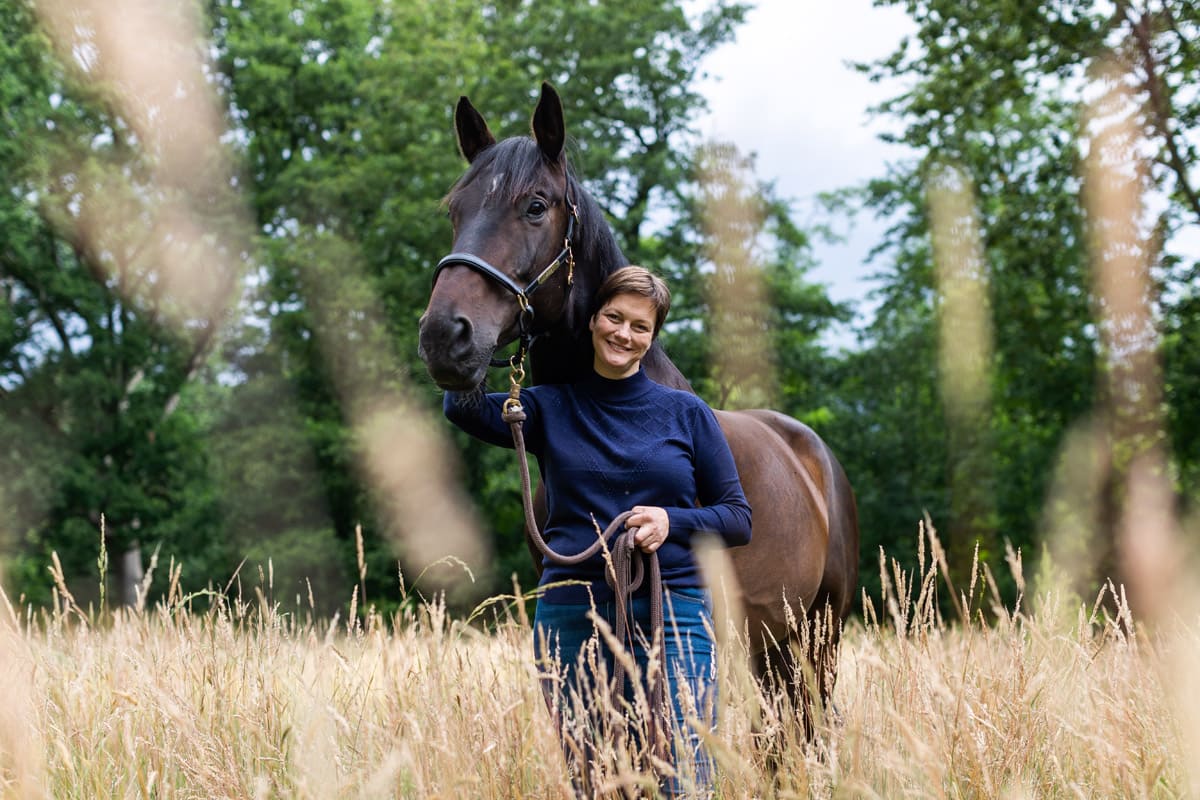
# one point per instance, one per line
(510, 209)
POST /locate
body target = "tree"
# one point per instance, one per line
(997, 91)
(310, 185)
(745, 324)
(101, 337)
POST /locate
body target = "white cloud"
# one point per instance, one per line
(785, 92)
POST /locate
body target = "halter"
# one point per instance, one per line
(525, 318)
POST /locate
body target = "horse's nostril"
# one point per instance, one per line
(459, 339)
(462, 330)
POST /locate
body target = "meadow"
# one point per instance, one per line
(1052, 698)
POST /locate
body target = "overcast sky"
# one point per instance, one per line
(783, 92)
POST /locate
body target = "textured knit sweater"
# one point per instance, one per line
(604, 446)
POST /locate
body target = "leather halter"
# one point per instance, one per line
(525, 318)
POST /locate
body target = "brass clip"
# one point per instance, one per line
(515, 376)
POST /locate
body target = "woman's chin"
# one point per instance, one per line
(615, 369)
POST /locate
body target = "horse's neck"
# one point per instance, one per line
(661, 369)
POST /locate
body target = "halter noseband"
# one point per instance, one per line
(525, 318)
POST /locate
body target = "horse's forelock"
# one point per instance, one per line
(511, 169)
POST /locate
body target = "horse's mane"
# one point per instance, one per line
(597, 255)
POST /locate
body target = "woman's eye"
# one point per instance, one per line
(536, 208)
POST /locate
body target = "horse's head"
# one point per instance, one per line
(508, 275)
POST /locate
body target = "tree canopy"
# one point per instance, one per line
(1000, 95)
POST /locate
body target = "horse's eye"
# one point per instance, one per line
(537, 208)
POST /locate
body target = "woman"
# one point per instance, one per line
(616, 441)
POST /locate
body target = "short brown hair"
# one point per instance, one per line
(639, 281)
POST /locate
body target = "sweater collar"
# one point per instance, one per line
(621, 389)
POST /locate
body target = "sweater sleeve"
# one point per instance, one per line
(479, 414)
(723, 509)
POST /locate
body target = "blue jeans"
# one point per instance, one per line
(576, 664)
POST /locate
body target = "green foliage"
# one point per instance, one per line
(96, 357)
(1181, 359)
(998, 91)
(120, 399)
(347, 113)
(745, 324)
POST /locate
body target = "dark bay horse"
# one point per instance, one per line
(531, 247)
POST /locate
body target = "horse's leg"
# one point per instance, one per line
(773, 667)
(797, 678)
(839, 581)
(819, 644)
(819, 637)
(785, 728)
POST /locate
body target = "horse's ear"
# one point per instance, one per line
(472, 129)
(548, 129)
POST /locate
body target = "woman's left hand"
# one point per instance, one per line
(652, 524)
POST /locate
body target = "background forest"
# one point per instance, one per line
(218, 229)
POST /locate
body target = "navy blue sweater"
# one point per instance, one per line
(605, 446)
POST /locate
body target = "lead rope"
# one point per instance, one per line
(623, 574)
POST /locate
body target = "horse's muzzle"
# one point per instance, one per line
(449, 345)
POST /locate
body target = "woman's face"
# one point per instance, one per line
(621, 334)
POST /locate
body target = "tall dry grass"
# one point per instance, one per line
(1054, 698)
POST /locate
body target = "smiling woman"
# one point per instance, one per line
(615, 442)
(628, 317)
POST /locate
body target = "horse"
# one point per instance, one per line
(531, 247)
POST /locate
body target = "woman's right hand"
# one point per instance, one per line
(652, 525)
